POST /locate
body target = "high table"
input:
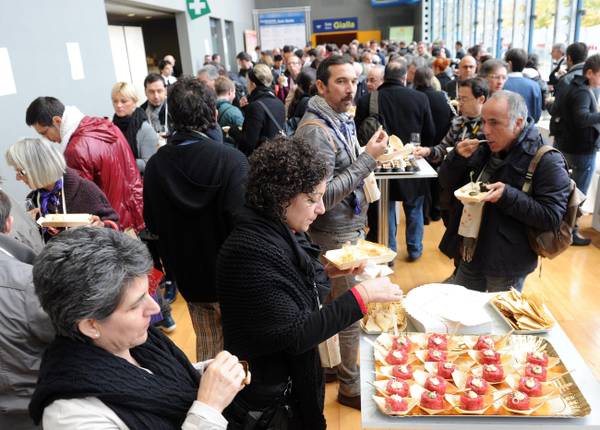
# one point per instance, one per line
(383, 178)
(372, 418)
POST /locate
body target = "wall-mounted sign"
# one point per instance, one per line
(197, 8)
(282, 28)
(384, 3)
(335, 24)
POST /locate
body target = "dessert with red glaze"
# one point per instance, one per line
(484, 342)
(398, 387)
(432, 400)
(401, 343)
(530, 386)
(493, 373)
(445, 369)
(539, 358)
(536, 371)
(403, 371)
(518, 401)
(437, 384)
(477, 384)
(489, 356)
(395, 403)
(396, 357)
(471, 401)
(437, 341)
(436, 355)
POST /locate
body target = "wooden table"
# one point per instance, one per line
(372, 418)
(383, 178)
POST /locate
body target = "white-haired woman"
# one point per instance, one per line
(56, 187)
(133, 123)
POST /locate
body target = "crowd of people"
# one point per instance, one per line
(231, 185)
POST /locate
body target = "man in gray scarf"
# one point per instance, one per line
(328, 125)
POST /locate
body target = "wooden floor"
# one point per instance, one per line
(568, 284)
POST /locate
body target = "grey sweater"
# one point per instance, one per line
(344, 178)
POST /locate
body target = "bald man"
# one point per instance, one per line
(375, 77)
(467, 69)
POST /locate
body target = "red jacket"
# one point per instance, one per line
(99, 152)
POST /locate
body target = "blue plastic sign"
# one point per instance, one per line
(281, 18)
(335, 24)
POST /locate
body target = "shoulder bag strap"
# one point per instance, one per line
(322, 127)
(270, 115)
(533, 165)
(374, 103)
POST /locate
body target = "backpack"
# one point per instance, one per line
(280, 131)
(371, 123)
(550, 243)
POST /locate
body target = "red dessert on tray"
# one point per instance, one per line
(493, 373)
(397, 387)
(477, 384)
(436, 355)
(539, 358)
(437, 341)
(518, 401)
(437, 384)
(489, 356)
(403, 371)
(401, 343)
(536, 371)
(395, 403)
(484, 342)
(432, 400)
(445, 369)
(471, 401)
(530, 386)
(397, 357)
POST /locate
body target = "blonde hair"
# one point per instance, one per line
(39, 160)
(125, 89)
(262, 72)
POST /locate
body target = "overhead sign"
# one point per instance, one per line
(282, 28)
(197, 8)
(335, 24)
(384, 3)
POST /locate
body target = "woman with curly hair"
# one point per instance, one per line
(270, 285)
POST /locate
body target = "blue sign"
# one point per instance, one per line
(335, 24)
(385, 3)
(281, 18)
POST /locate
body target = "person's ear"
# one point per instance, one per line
(9, 223)
(56, 121)
(89, 327)
(320, 87)
(481, 99)
(519, 123)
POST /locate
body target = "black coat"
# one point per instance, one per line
(258, 127)
(580, 119)
(440, 112)
(268, 281)
(502, 245)
(193, 188)
(402, 111)
(451, 89)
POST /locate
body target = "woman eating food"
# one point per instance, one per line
(108, 368)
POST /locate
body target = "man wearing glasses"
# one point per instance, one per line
(496, 73)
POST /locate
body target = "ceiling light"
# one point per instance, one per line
(148, 17)
(131, 14)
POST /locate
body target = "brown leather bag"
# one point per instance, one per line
(551, 243)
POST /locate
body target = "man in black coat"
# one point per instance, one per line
(467, 69)
(496, 255)
(579, 138)
(193, 187)
(403, 111)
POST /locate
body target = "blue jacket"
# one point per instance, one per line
(531, 92)
(502, 245)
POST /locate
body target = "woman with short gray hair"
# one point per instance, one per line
(108, 368)
(56, 188)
